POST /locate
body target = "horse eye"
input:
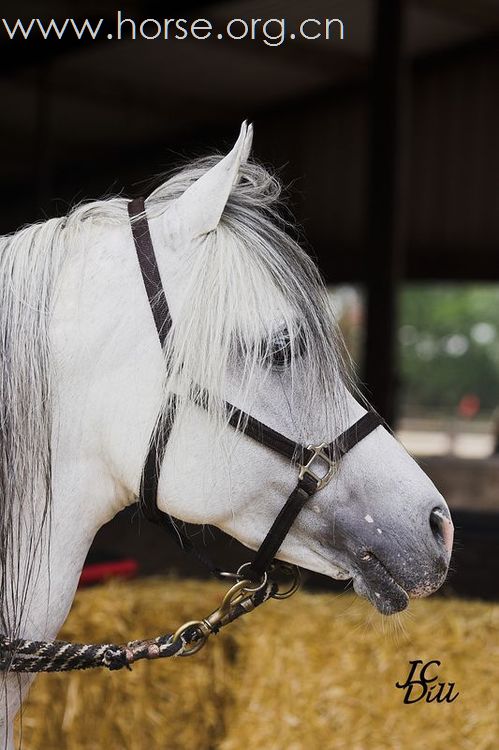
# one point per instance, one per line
(283, 349)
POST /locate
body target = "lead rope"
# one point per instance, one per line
(61, 656)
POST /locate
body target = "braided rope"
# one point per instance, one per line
(61, 656)
(21, 655)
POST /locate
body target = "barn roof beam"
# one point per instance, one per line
(481, 13)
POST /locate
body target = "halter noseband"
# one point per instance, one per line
(305, 458)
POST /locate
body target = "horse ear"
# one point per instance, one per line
(201, 206)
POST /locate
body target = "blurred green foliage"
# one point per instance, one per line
(449, 346)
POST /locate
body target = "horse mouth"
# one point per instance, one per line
(374, 582)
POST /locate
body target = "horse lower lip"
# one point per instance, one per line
(377, 584)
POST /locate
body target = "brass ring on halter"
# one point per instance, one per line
(292, 571)
(229, 575)
(259, 586)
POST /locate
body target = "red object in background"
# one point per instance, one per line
(469, 406)
(102, 571)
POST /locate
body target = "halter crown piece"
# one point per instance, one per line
(255, 582)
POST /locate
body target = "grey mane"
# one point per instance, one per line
(30, 261)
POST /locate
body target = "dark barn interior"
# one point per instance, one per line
(387, 139)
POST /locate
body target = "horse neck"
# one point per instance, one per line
(98, 434)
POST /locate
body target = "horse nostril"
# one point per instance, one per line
(442, 528)
(436, 522)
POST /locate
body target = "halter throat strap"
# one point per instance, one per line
(305, 458)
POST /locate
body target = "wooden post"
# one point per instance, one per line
(384, 243)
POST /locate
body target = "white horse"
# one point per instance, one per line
(83, 379)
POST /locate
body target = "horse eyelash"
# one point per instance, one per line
(283, 349)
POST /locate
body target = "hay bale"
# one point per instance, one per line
(174, 704)
(322, 674)
(317, 671)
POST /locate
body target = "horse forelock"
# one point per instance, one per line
(247, 284)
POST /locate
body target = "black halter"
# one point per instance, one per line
(305, 458)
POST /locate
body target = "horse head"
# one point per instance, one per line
(252, 325)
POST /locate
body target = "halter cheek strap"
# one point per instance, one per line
(305, 458)
(158, 304)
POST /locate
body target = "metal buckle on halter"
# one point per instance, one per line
(318, 452)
